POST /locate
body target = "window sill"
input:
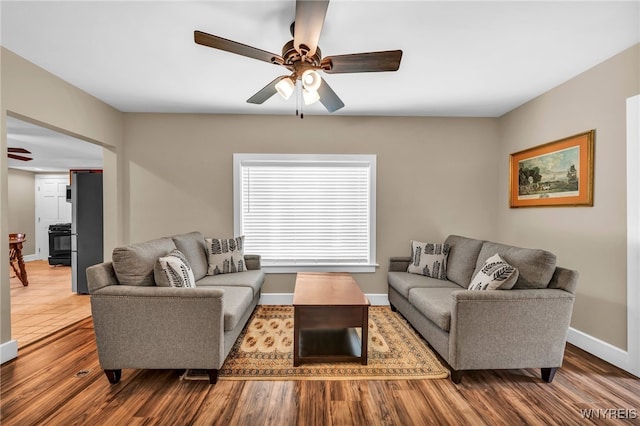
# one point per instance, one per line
(292, 269)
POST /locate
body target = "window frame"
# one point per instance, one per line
(369, 160)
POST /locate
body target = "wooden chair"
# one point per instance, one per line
(15, 257)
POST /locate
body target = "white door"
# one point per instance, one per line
(51, 208)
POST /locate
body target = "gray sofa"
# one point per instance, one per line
(140, 325)
(524, 327)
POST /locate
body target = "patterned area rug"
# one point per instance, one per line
(264, 351)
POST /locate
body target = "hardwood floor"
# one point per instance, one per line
(46, 305)
(58, 381)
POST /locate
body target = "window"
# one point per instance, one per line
(307, 212)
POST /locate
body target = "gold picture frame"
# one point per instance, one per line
(558, 173)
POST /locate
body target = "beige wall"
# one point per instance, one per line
(32, 94)
(589, 239)
(435, 175)
(22, 207)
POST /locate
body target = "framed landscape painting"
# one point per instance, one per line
(558, 173)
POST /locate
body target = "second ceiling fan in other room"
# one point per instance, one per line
(302, 57)
(13, 153)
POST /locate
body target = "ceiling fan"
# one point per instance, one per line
(13, 153)
(302, 57)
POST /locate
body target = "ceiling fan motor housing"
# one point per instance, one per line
(291, 56)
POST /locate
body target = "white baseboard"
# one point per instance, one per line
(30, 257)
(603, 350)
(378, 299)
(287, 299)
(276, 299)
(8, 351)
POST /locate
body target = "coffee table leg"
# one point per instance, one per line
(296, 337)
(365, 334)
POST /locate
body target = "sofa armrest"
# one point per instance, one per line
(101, 275)
(252, 261)
(159, 292)
(500, 329)
(158, 327)
(399, 264)
(511, 295)
(564, 279)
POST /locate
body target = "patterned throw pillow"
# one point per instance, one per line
(173, 270)
(495, 274)
(429, 259)
(226, 255)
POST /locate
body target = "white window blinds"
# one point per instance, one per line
(306, 212)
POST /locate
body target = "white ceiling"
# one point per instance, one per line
(475, 58)
(50, 151)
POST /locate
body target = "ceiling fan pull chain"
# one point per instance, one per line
(299, 100)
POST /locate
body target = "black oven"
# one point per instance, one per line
(60, 244)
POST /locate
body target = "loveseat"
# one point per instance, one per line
(523, 324)
(141, 324)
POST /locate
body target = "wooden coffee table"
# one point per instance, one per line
(328, 308)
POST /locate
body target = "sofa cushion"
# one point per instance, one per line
(134, 264)
(429, 259)
(461, 262)
(193, 247)
(251, 279)
(173, 270)
(434, 303)
(495, 274)
(226, 255)
(236, 303)
(535, 266)
(402, 282)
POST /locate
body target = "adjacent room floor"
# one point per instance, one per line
(46, 305)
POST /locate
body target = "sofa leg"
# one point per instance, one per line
(213, 376)
(456, 376)
(548, 374)
(393, 308)
(113, 376)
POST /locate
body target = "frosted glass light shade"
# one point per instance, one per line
(310, 96)
(311, 80)
(285, 87)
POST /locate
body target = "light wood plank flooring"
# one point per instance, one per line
(46, 305)
(58, 381)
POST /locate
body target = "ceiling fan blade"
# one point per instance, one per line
(328, 97)
(266, 92)
(388, 60)
(235, 47)
(308, 24)
(19, 157)
(18, 150)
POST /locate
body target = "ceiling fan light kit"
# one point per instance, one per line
(311, 80)
(285, 87)
(310, 96)
(303, 58)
